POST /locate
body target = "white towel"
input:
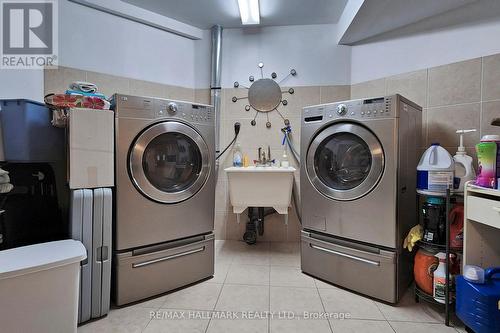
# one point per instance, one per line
(4, 176)
(87, 87)
(4, 179)
(6, 188)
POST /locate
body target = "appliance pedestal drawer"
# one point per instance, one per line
(364, 269)
(143, 273)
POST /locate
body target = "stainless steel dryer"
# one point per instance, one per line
(165, 195)
(358, 182)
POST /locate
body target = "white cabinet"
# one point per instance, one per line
(482, 227)
(91, 148)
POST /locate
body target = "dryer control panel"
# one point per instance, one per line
(154, 108)
(359, 109)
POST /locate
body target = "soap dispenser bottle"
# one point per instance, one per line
(464, 171)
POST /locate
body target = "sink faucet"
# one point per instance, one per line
(263, 160)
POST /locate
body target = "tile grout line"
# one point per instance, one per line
(453, 105)
(323, 305)
(269, 291)
(481, 98)
(392, 328)
(383, 315)
(220, 292)
(427, 102)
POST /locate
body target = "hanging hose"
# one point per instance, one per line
(292, 148)
(296, 198)
(236, 132)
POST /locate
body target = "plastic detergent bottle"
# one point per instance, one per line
(436, 169)
(488, 161)
(237, 156)
(439, 279)
(464, 171)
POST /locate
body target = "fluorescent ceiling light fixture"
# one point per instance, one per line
(249, 11)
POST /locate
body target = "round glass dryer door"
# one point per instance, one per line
(345, 161)
(169, 162)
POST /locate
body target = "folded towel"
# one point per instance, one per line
(4, 176)
(77, 92)
(4, 179)
(83, 86)
(6, 188)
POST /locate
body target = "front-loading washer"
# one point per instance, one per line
(165, 195)
(358, 162)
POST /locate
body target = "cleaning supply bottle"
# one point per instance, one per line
(439, 280)
(488, 161)
(237, 156)
(464, 171)
(435, 171)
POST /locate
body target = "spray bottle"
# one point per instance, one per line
(464, 170)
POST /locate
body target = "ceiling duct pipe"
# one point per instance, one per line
(215, 88)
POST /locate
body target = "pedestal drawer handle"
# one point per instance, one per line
(345, 255)
(154, 261)
(496, 209)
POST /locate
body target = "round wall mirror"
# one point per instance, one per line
(264, 95)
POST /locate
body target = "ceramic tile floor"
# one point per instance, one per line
(251, 281)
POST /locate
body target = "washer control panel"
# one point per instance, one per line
(359, 109)
(193, 113)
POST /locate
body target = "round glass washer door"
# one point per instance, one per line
(169, 162)
(345, 161)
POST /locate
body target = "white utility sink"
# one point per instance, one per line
(260, 186)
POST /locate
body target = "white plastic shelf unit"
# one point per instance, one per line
(481, 226)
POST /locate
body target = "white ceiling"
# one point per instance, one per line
(388, 19)
(473, 12)
(205, 13)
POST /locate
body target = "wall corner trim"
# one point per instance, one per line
(139, 15)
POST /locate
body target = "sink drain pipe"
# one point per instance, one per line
(255, 223)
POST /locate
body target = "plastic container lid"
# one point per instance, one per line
(474, 274)
(435, 200)
(488, 138)
(33, 258)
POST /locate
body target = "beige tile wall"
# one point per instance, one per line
(465, 95)
(57, 81)
(253, 137)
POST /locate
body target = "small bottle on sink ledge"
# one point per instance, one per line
(284, 159)
(237, 156)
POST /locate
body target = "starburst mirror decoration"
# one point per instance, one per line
(265, 95)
